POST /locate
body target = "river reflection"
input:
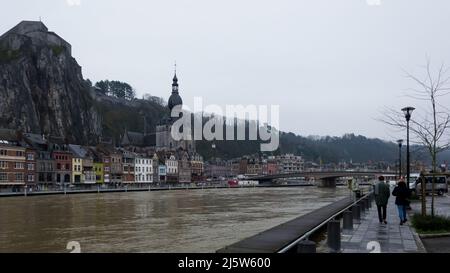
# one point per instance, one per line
(165, 221)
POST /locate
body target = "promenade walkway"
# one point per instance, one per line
(371, 236)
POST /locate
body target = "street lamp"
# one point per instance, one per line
(213, 146)
(407, 111)
(400, 141)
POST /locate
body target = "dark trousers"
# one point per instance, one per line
(381, 213)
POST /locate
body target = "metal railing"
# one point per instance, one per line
(312, 231)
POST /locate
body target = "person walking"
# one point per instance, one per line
(401, 194)
(382, 194)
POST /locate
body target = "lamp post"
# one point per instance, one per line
(407, 111)
(213, 146)
(400, 141)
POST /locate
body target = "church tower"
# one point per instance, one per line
(164, 140)
(175, 98)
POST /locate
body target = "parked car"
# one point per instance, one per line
(440, 186)
(413, 181)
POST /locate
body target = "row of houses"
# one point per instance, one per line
(255, 165)
(43, 162)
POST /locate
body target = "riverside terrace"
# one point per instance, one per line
(351, 227)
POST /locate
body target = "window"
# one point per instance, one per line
(19, 153)
(19, 176)
(58, 166)
(30, 156)
(3, 177)
(30, 178)
(3, 165)
(67, 167)
(18, 166)
(30, 166)
(3, 152)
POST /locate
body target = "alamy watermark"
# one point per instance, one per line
(261, 121)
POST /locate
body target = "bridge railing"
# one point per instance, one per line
(363, 202)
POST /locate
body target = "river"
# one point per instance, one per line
(163, 221)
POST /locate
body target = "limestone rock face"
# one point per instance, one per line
(42, 89)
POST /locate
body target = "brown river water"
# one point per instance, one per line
(159, 221)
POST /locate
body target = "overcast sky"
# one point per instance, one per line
(331, 65)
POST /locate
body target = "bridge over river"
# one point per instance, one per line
(327, 178)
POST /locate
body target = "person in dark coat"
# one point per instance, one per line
(382, 193)
(401, 193)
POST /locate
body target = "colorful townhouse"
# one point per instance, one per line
(155, 167)
(106, 160)
(184, 168)
(12, 160)
(197, 167)
(82, 165)
(45, 166)
(162, 172)
(116, 167)
(128, 159)
(143, 169)
(77, 169)
(98, 169)
(30, 161)
(101, 160)
(171, 169)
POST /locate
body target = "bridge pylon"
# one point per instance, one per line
(327, 182)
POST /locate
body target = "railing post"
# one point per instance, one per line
(367, 203)
(306, 246)
(362, 206)
(348, 220)
(334, 235)
(356, 211)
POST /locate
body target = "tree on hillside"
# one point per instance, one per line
(157, 100)
(430, 125)
(116, 89)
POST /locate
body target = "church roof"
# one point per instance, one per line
(174, 100)
(138, 139)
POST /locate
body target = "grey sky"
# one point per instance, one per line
(330, 65)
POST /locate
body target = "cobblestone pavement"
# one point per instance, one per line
(371, 236)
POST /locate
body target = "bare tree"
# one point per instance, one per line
(430, 127)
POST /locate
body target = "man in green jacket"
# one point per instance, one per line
(382, 194)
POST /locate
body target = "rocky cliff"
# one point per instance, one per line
(42, 88)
